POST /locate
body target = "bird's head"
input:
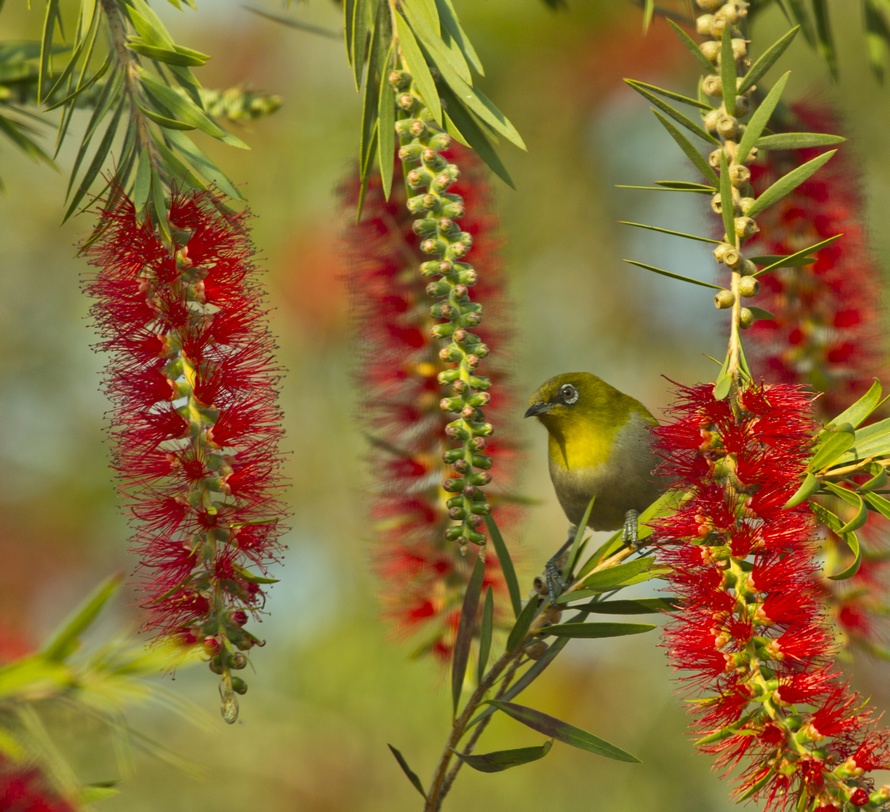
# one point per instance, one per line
(573, 397)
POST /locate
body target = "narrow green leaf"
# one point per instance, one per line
(760, 314)
(801, 257)
(426, 29)
(727, 71)
(465, 631)
(66, 638)
(348, 16)
(461, 123)
(451, 27)
(809, 487)
(386, 133)
(670, 186)
(672, 275)
(871, 441)
(670, 231)
(686, 186)
(879, 503)
(698, 160)
(506, 563)
(371, 101)
(861, 409)
(787, 183)
(798, 140)
(877, 35)
(671, 94)
(95, 166)
(854, 500)
(203, 164)
(608, 579)
(877, 482)
(504, 759)
(640, 606)
(692, 46)
(171, 56)
(485, 631)
(562, 731)
(164, 121)
(596, 630)
(412, 776)
(824, 38)
(675, 114)
(477, 103)
(767, 59)
(51, 19)
(723, 384)
(832, 446)
(416, 65)
(142, 185)
(727, 211)
(781, 261)
(760, 118)
(580, 528)
(523, 622)
(365, 13)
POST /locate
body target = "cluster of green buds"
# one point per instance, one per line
(722, 22)
(429, 175)
(239, 103)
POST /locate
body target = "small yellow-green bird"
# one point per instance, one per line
(601, 445)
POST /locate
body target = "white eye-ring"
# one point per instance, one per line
(569, 394)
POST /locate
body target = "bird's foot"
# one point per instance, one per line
(551, 583)
(629, 532)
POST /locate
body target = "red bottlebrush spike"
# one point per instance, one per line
(751, 635)
(195, 421)
(424, 575)
(828, 330)
(25, 788)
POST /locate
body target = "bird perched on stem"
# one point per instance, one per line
(600, 446)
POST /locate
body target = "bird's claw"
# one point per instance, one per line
(629, 531)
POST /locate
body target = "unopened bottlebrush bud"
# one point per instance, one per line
(454, 210)
(724, 299)
(418, 204)
(732, 257)
(406, 101)
(712, 86)
(433, 246)
(746, 318)
(747, 268)
(739, 48)
(480, 399)
(459, 249)
(455, 485)
(746, 227)
(418, 177)
(453, 431)
(451, 404)
(440, 287)
(709, 5)
(739, 175)
(728, 127)
(399, 79)
(447, 227)
(442, 310)
(238, 661)
(417, 128)
(239, 686)
(749, 285)
(710, 121)
(443, 331)
(480, 478)
(440, 141)
(703, 24)
(742, 106)
(447, 376)
(714, 158)
(467, 276)
(410, 152)
(710, 49)
(424, 227)
(745, 204)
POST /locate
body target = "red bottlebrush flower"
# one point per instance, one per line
(195, 420)
(25, 788)
(828, 329)
(752, 635)
(424, 575)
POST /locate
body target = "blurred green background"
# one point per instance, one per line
(332, 687)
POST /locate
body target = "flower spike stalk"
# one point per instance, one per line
(195, 420)
(428, 176)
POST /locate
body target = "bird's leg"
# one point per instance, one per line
(629, 532)
(552, 584)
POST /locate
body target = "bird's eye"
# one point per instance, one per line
(569, 394)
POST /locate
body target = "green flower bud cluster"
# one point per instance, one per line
(429, 175)
(725, 123)
(238, 103)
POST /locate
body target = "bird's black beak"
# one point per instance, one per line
(537, 408)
